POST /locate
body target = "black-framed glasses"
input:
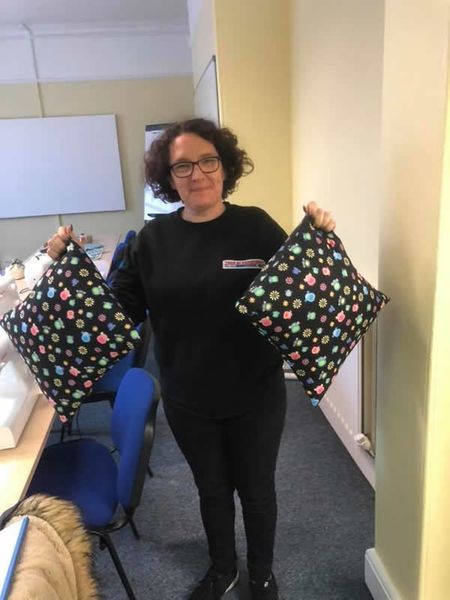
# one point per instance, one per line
(209, 164)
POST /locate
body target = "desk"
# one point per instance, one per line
(17, 465)
(109, 245)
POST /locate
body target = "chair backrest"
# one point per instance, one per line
(132, 432)
(145, 332)
(110, 381)
(129, 237)
(117, 257)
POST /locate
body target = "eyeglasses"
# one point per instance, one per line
(209, 164)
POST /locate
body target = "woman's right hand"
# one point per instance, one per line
(322, 219)
(57, 244)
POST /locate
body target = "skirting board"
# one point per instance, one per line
(376, 578)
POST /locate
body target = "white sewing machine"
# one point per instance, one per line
(18, 390)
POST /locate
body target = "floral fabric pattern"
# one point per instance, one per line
(313, 305)
(69, 330)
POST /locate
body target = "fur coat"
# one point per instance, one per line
(55, 560)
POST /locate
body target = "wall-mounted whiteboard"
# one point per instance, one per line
(206, 98)
(59, 165)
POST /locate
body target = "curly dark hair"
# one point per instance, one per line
(234, 160)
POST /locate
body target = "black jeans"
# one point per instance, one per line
(236, 453)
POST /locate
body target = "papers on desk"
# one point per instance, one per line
(11, 539)
(93, 250)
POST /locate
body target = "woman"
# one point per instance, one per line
(223, 385)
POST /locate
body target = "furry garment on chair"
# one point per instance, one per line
(55, 561)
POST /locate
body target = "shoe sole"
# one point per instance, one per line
(232, 584)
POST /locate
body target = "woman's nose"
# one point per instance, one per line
(196, 172)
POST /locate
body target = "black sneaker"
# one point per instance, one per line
(214, 586)
(264, 590)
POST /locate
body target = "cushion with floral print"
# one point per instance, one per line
(312, 304)
(69, 330)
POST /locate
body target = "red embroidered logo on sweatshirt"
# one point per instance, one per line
(248, 263)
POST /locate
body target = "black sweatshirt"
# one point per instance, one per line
(213, 362)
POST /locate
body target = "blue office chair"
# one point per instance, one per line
(84, 471)
(116, 259)
(106, 387)
(118, 255)
(129, 236)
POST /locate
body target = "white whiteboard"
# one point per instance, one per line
(59, 165)
(206, 99)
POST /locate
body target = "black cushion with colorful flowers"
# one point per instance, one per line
(70, 330)
(312, 304)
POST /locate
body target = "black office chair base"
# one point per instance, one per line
(105, 541)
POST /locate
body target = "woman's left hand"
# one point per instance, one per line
(322, 219)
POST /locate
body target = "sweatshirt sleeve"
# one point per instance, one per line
(127, 285)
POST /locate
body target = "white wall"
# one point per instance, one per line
(194, 11)
(82, 53)
(337, 50)
(202, 23)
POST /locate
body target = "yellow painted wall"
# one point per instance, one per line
(414, 109)
(337, 60)
(435, 572)
(253, 61)
(337, 109)
(136, 103)
(337, 70)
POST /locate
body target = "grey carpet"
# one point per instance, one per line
(325, 522)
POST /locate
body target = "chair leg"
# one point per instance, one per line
(133, 526)
(116, 560)
(65, 427)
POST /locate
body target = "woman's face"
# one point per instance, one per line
(200, 192)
